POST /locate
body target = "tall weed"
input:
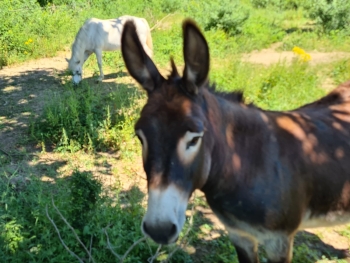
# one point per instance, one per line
(86, 118)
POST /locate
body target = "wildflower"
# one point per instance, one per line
(25, 52)
(30, 40)
(26, 43)
(303, 56)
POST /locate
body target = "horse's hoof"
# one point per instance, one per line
(99, 80)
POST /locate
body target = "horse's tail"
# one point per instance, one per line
(149, 41)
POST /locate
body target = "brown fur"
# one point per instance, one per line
(265, 174)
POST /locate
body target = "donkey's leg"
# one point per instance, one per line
(279, 248)
(246, 247)
(98, 53)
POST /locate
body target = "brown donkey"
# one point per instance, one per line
(265, 174)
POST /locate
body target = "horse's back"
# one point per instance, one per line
(143, 31)
(106, 34)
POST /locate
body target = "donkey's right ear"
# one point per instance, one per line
(67, 60)
(139, 65)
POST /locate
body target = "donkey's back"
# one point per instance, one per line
(314, 145)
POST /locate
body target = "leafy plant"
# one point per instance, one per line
(86, 119)
(84, 194)
(330, 14)
(227, 15)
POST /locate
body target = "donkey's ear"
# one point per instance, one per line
(196, 54)
(139, 65)
(67, 60)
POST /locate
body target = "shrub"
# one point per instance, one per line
(13, 38)
(83, 118)
(330, 14)
(227, 15)
(280, 4)
(85, 192)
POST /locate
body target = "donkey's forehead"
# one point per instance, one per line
(179, 113)
(169, 100)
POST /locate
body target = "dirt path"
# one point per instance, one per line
(22, 92)
(270, 56)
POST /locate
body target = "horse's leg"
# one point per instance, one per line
(98, 53)
(246, 247)
(279, 248)
(87, 54)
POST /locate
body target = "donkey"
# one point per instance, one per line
(98, 35)
(265, 174)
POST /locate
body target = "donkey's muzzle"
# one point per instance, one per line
(162, 234)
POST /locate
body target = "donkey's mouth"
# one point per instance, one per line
(163, 235)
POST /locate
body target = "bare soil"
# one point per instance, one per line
(22, 93)
(270, 56)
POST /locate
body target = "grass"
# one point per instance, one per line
(85, 134)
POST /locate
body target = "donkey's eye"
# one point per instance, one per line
(193, 142)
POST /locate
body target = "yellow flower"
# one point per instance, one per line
(30, 40)
(25, 52)
(26, 43)
(303, 56)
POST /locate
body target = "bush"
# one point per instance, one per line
(85, 192)
(13, 39)
(83, 118)
(228, 15)
(330, 14)
(279, 4)
(27, 235)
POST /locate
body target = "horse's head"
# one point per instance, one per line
(172, 130)
(76, 68)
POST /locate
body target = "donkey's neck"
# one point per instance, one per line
(237, 133)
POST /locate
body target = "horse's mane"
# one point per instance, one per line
(79, 39)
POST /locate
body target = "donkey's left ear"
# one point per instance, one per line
(196, 54)
(67, 60)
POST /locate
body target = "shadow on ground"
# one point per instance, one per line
(23, 95)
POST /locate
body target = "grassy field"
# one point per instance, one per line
(72, 186)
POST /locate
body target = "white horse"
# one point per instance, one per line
(98, 35)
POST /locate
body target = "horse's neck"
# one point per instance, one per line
(79, 48)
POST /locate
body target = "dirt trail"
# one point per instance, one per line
(270, 56)
(22, 92)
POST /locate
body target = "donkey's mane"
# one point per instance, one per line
(233, 96)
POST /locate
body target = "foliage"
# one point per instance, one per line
(341, 71)
(278, 87)
(86, 119)
(261, 30)
(89, 119)
(227, 15)
(330, 14)
(279, 4)
(84, 194)
(28, 236)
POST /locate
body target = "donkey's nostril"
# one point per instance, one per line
(162, 233)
